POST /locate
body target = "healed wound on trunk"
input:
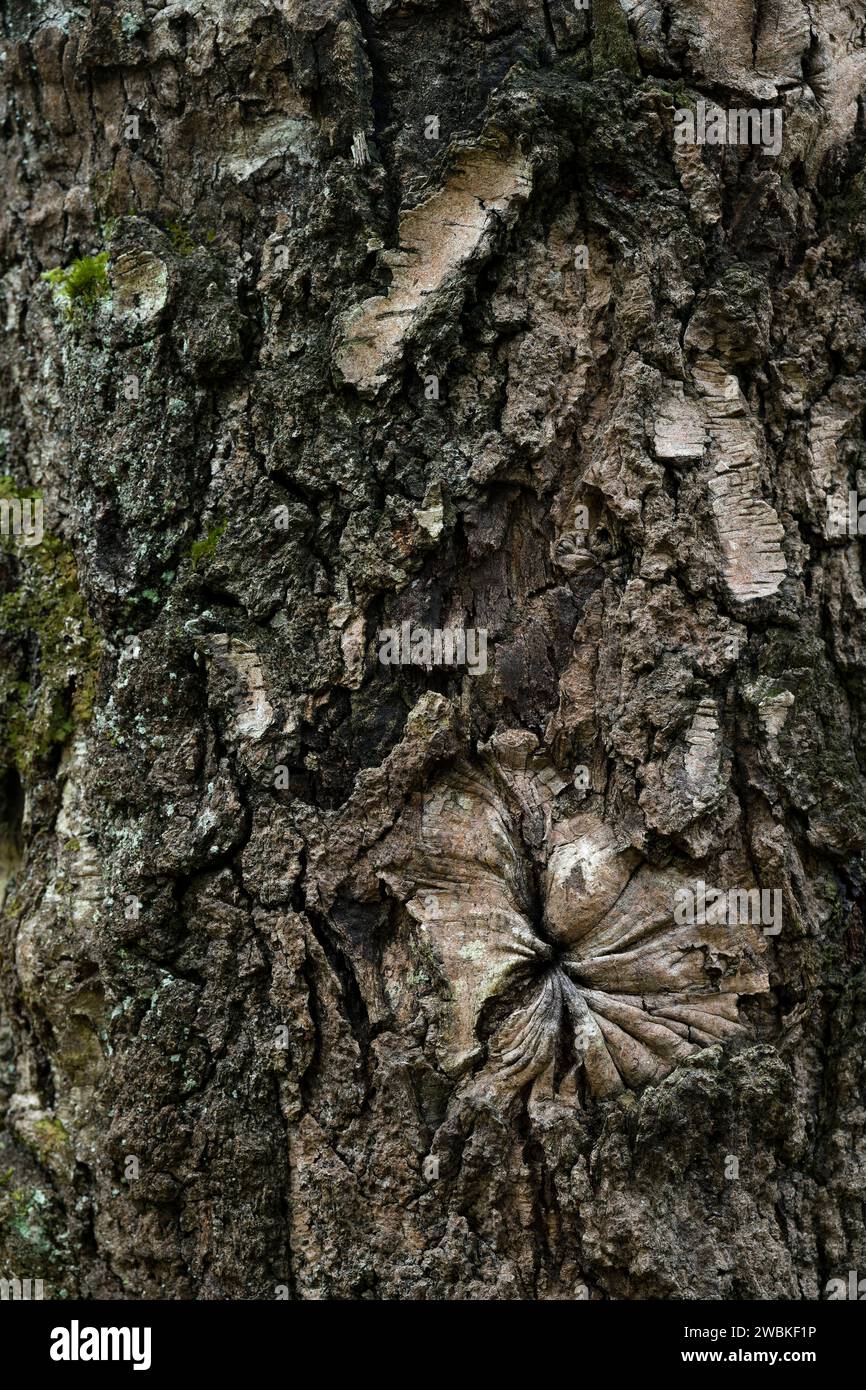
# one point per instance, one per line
(606, 990)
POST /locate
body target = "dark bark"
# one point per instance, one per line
(324, 977)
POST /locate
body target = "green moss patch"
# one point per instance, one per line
(81, 284)
(611, 45)
(50, 650)
(181, 238)
(201, 551)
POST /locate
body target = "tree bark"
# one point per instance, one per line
(341, 958)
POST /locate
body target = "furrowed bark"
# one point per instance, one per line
(444, 423)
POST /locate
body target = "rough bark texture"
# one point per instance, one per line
(287, 929)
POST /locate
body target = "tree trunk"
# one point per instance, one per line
(433, 633)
